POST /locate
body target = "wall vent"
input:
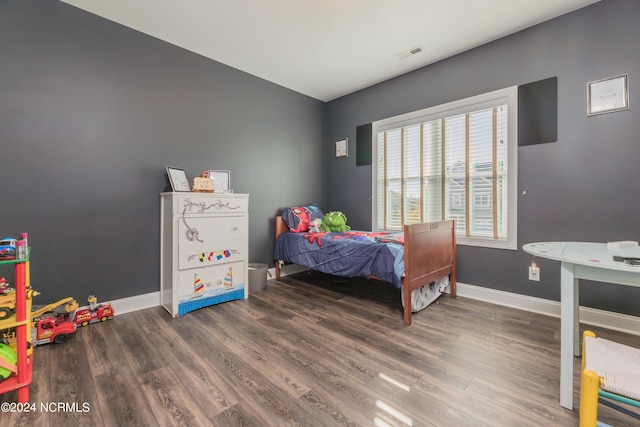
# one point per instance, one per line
(407, 53)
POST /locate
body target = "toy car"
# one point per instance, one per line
(8, 248)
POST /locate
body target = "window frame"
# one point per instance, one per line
(510, 94)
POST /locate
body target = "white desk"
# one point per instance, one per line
(592, 261)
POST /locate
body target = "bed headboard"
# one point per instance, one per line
(281, 227)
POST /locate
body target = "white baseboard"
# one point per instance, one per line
(135, 303)
(588, 316)
(142, 301)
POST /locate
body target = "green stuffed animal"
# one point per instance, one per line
(335, 221)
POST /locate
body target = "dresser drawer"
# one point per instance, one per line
(212, 253)
(210, 285)
(194, 230)
(211, 241)
(223, 205)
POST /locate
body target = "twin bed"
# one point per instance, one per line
(421, 261)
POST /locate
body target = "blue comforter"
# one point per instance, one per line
(346, 254)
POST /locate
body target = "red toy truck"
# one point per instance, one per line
(95, 313)
(52, 329)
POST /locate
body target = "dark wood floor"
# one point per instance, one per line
(309, 350)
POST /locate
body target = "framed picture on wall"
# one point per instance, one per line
(342, 148)
(178, 179)
(608, 95)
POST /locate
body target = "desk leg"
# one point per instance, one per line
(569, 332)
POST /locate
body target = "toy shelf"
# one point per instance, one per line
(11, 323)
(22, 379)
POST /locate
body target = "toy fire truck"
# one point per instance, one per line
(95, 313)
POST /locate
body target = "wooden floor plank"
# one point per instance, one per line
(203, 385)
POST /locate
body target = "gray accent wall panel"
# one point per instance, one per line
(580, 188)
(538, 112)
(364, 145)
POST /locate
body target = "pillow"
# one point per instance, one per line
(298, 218)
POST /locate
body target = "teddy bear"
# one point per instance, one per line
(335, 221)
(314, 225)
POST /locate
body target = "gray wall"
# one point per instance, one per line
(583, 187)
(91, 112)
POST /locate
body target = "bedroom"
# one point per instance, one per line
(88, 126)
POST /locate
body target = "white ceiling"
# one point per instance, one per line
(328, 48)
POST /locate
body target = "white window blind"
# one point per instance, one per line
(455, 161)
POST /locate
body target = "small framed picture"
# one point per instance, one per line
(342, 148)
(178, 178)
(221, 181)
(608, 95)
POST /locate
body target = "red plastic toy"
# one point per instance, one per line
(95, 313)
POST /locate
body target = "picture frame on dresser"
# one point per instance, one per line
(221, 181)
(178, 179)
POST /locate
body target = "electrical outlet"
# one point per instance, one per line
(534, 272)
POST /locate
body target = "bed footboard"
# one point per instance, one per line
(429, 253)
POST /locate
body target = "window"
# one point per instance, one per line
(453, 161)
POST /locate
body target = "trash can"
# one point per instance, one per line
(257, 277)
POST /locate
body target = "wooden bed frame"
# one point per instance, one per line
(429, 253)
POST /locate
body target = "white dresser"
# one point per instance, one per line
(204, 250)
